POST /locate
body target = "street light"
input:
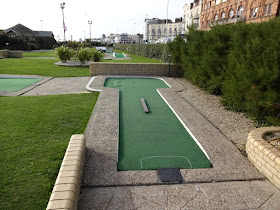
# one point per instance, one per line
(62, 6)
(90, 23)
(169, 59)
(41, 25)
(167, 18)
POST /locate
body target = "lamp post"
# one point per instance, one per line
(62, 6)
(167, 18)
(169, 60)
(90, 23)
(41, 25)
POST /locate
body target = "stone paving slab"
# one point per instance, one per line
(102, 145)
(61, 85)
(225, 195)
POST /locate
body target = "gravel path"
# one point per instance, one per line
(233, 125)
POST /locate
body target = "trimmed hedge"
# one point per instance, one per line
(156, 51)
(241, 62)
(26, 42)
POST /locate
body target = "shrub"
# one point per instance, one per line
(156, 51)
(64, 53)
(96, 55)
(240, 61)
(83, 54)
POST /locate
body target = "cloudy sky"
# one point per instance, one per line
(108, 16)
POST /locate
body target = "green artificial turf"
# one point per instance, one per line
(134, 59)
(43, 67)
(34, 134)
(17, 84)
(156, 139)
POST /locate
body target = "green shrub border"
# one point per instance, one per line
(240, 62)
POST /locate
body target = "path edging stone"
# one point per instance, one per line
(66, 191)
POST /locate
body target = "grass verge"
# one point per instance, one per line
(34, 133)
(49, 53)
(43, 67)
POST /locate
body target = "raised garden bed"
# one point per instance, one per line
(263, 153)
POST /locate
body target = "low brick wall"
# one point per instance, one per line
(264, 156)
(145, 69)
(3, 53)
(10, 54)
(14, 54)
(66, 191)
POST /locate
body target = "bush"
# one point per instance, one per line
(83, 54)
(26, 42)
(64, 53)
(156, 51)
(240, 62)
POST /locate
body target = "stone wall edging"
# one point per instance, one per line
(10, 54)
(147, 69)
(264, 156)
(66, 191)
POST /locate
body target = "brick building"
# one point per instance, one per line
(225, 11)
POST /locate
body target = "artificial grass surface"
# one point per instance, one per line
(134, 59)
(153, 140)
(34, 134)
(14, 85)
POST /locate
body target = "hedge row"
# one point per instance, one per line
(156, 51)
(26, 42)
(241, 62)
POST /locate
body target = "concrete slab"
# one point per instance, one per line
(61, 85)
(226, 195)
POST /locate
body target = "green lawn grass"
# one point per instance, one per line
(39, 54)
(43, 67)
(46, 67)
(34, 133)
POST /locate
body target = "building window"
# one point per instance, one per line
(159, 32)
(170, 32)
(240, 11)
(216, 17)
(217, 2)
(175, 31)
(209, 4)
(269, 9)
(165, 32)
(223, 15)
(153, 32)
(224, 0)
(265, 10)
(254, 12)
(231, 13)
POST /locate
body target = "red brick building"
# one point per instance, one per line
(225, 11)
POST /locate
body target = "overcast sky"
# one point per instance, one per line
(108, 16)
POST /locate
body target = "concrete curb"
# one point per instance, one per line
(264, 156)
(66, 191)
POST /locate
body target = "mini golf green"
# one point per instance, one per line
(156, 139)
(16, 84)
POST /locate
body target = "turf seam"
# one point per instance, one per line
(159, 183)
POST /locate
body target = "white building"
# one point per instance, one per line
(192, 13)
(156, 29)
